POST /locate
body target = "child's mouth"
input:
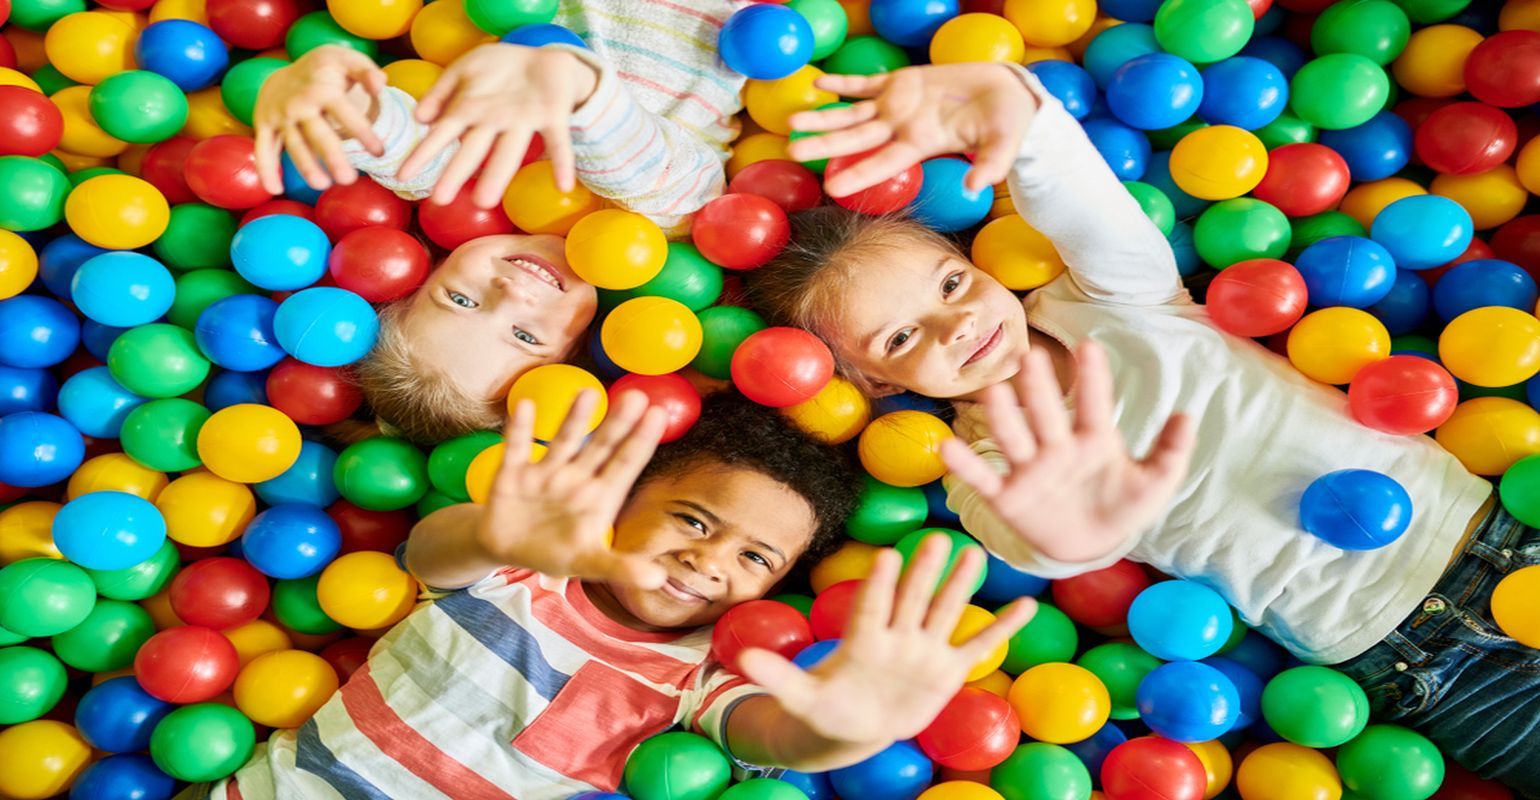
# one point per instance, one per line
(539, 268)
(988, 346)
(681, 592)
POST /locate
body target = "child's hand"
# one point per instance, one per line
(494, 99)
(554, 516)
(916, 113)
(896, 667)
(305, 105)
(1072, 492)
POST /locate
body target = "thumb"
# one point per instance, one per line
(432, 102)
(788, 683)
(1173, 449)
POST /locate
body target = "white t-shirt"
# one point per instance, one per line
(1265, 431)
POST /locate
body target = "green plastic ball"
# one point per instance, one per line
(817, 165)
(139, 106)
(51, 80)
(157, 360)
(108, 638)
(1520, 490)
(163, 434)
(1166, 138)
(1286, 129)
(142, 580)
(1204, 31)
(1315, 706)
(801, 602)
(201, 288)
(763, 788)
(1120, 666)
(723, 328)
(1306, 231)
(1374, 29)
(1041, 771)
(1050, 636)
(31, 683)
(1414, 343)
(1337, 91)
(907, 546)
(318, 28)
(38, 15)
(11, 637)
(34, 193)
(449, 461)
(433, 501)
(202, 742)
(866, 55)
(54, 161)
(498, 17)
(44, 596)
(1425, 12)
(197, 236)
(686, 277)
(677, 766)
(829, 22)
(80, 176)
(381, 474)
(1517, 391)
(243, 82)
(1155, 204)
(1236, 230)
(884, 514)
(296, 607)
(1389, 762)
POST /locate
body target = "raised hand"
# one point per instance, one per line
(307, 107)
(1073, 492)
(916, 113)
(493, 100)
(896, 667)
(554, 516)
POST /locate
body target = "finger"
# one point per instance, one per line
(516, 437)
(971, 468)
(831, 119)
(991, 162)
(269, 159)
(474, 147)
(634, 452)
(303, 160)
(573, 429)
(789, 684)
(1010, 620)
(1007, 423)
(849, 141)
(439, 137)
(1173, 449)
(324, 139)
(1043, 400)
(558, 148)
(1093, 389)
(356, 124)
(507, 155)
(873, 607)
(918, 585)
(896, 157)
(854, 85)
(624, 414)
(947, 607)
(433, 101)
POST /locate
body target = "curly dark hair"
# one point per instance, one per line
(736, 432)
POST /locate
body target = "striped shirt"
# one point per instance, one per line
(655, 133)
(516, 687)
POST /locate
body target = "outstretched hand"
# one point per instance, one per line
(1072, 491)
(307, 107)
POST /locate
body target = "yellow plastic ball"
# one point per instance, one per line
(1516, 606)
(1051, 23)
(483, 468)
(81, 135)
(1491, 346)
(1489, 434)
(973, 620)
(757, 147)
(771, 103)
(1059, 702)
(284, 688)
(248, 443)
(1492, 197)
(1333, 344)
(977, 37)
(1218, 767)
(1519, 15)
(374, 19)
(1032, 55)
(1003, 206)
(441, 32)
(852, 562)
(1433, 61)
(256, 638)
(158, 606)
(40, 759)
(616, 249)
(11, 77)
(1365, 201)
(996, 683)
(835, 415)
(1527, 166)
(536, 205)
(191, 10)
(960, 790)
(26, 531)
(115, 472)
(554, 388)
(118, 212)
(1284, 771)
(1218, 162)
(18, 264)
(75, 162)
(651, 335)
(1016, 254)
(90, 46)
(412, 75)
(903, 448)
(205, 510)
(366, 590)
(207, 116)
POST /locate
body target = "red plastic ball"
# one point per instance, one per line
(127, 5)
(1259, 7)
(165, 167)
(1504, 70)
(282, 205)
(1303, 179)
(1149, 768)
(347, 655)
(671, 392)
(219, 593)
(780, 367)
(7, 50)
(890, 196)
(976, 730)
(312, 395)
(10, 494)
(186, 664)
(831, 609)
(379, 264)
(461, 220)
(1257, 297)
(363, 203)
(362, 529)
(1100, 598)
(1403, 395)
(740, 231)
(788, 184)
(30, 124)
(1462, 784)
(1476, 250)
(222, 171)
(765, 624)
(1519, 241)
(254, 24)
(1466, 138)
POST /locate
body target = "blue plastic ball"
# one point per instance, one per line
(291, 541)
(1071, 84)
(98, 338)
(1093, 751)
(1004, 583)
(294, 185)
(58, 261)
(815, 785)
(1287, 56)
(36, 331)
(1125, 150)
(1180, 621)
(1184, 249)
(1129, 11)
(542, 34)
(123, 289)
(96, 404)
(900, 772)
(1158, 175)
(326, 326)
(309, 480)
(108, 530)
(23, 389)
(1346, 271)
(1248, 687)
(766, 41)
(1423, 231)
(118, 715)
(1188, 701)
(943, 203)
(1243, 91)
(910, 23)
(230, 388)
(236, 333)
(127, 776)
(1374, 150)
(188, 54)
(810, 656)
(38, 449)
(1155, 91)
(1407, 304)
(1116, 46)
(1484, 282)
(935, 499)
(280, 252)
(1356, 509)
(1259, 655)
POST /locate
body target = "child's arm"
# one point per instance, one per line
(309, 108)
(553, 516)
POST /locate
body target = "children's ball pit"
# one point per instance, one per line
(553, 388)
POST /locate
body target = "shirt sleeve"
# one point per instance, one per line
(706, 708)
(399, 131)
(1062, 187)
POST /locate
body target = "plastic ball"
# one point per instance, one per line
(1331, 345)
(1236, 230)
(1218, 162)
(651, 335)
(326, 326)
(764, 624)
(835, 415)
(1481, 283)
(382, 473)
(1346, 271)
(740, 231)
(1116, 46)
(944, 203)
(1048, 23)
(541, 34)
(186, 52)
(162, 434)
(236, 333)
(348, 207)
(308, 481)
(38, 449)
(1492, 197)
(89, 47)
(1154, 91)
(366, 590)
(1504, 69)
(1356, 509)
(284, 688)
(31, 125)
(1257, 298)
(679, 400)
(903, 448)
(781, 367)
(123, 777)
(222, 172)
(280, 252)
(95, 403)
(1375, 29)
(312, 395)
(186, 664)
(119, 212)
(141, 580)
(26, 390)
(1340, 90)
(1016, 254)
(219, 593)
(118, 715)
(975, 731)
(553, 388)
(202, 742)
(379, 264)
(450, 460)
(887, 197)
(1060, 703)
(35, 194)
(1072, 85)
(1203, 31)
(32, 685)
(910, 23)
(616, 249)
(1180, 621)
(374, 19)
(677, 766)
(1403, 395)
(461, 220)
(41, 759)
(108, 530)
(1244, 92)
(296, 608)
(1489, 434)
(977, 37)
(1284, 771)
(1374, 150)
(205, 510)
(1315, 706)
(1121, 667)
(1465, 138)
(1513, 600)
(723, 328)
(1303, 179)
(1491, 346)
(788, 184)
(122, 289)
(1038, 769)
(900, 771)
(1388, 761)
(248, 443)
(1153, 768)
(139, 107)
(107, 638)
(536, 206)
(442, 33)
(766, 42)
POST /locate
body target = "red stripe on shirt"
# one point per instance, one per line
(686, 10)
(713, 697)
(557, 613)
(594, 723)
(233, 791)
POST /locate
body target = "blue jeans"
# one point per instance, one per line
(1452, 674)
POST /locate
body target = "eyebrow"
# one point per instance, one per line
(715, 520)
(940, 266)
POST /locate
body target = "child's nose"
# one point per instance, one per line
(963, 326)
(705, 558)
(513, 290)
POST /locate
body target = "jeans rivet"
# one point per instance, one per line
(1507, 552)
(1402, 666)
(1434, 605)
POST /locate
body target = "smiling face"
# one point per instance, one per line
(497, 307)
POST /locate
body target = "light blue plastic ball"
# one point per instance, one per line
(1116, 46)
(1180, 621)
(309, 480)
(96, 404)
(943, 203)
(123, 289)
(1423, 231)
(108, 530)
(326, 326)
(280, 252)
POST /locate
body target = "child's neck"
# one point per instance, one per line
(1063, 360)
(603, 599)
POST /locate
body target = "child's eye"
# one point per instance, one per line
(692, 522)
(899, 339)
(758, 559)
(525, 336)
(461, 300)
(950, 284)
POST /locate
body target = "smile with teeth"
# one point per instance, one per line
(536, 270)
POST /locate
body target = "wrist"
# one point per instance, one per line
(585, 79)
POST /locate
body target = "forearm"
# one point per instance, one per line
(400, 132)
(760, 732)
(444, 550)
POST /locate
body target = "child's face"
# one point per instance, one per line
(498, 306)
(725, 535)
(921, 319)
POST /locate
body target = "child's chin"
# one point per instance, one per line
(658, 610)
